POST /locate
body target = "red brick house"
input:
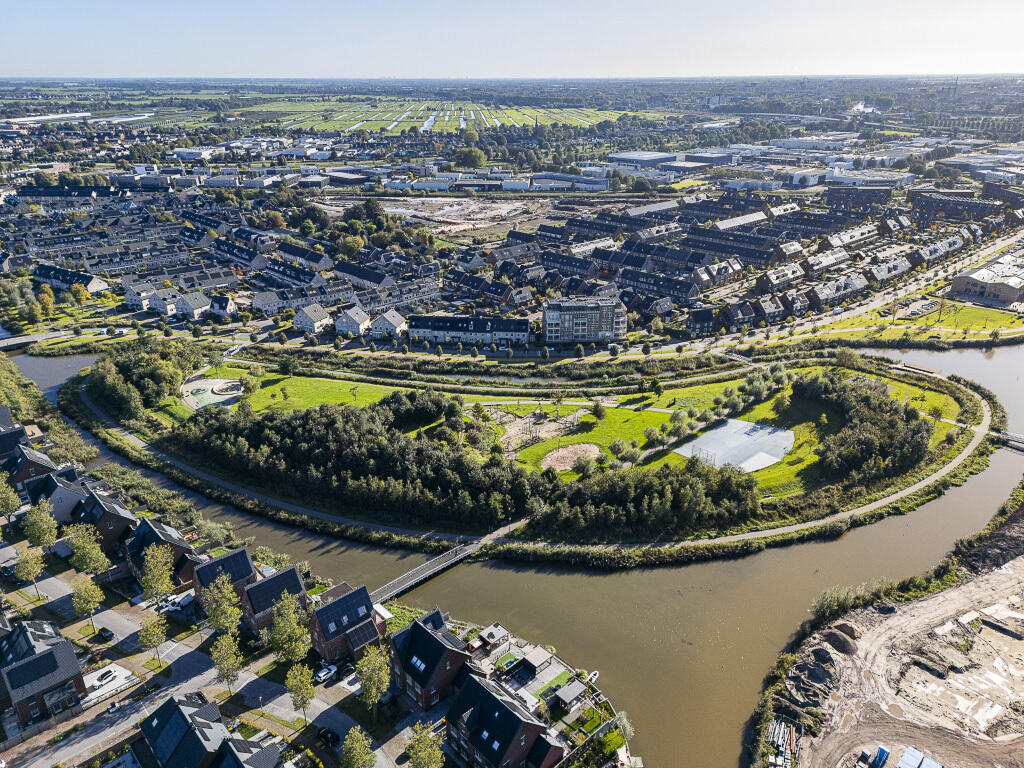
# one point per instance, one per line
(343, 627)
(40, 676)
(24, 463)
(426, 660)
(487, 728)
(150, 532)
(259, 597)
(236, 564)
(113, 522)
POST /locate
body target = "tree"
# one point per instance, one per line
(39, 526)
(299, 683)
(226, 659)
(781, 404)
(80, 294)
(86, 551)
(250, 384)
(356, 750)
(10, 502)
(579, 352)
(470, 157)
(152, 634)
(289, 629)
(29, 566)
(424, 749)
(598, 410)
(374, 675)
(221, 603)
(86, 598)
(158, 561)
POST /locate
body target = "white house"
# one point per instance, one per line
(391, 323)
(193, 306)
(165, 302)
(352, 320)
(137, 295)
(223, 306)
(311, 319)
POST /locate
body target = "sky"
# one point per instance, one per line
(509, 39)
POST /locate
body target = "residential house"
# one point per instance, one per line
(769, 309)
(390, 324)
(488, 728)
(426, 660)
(63, 490)
(62, 279)
(113, 521)
(192, 306)
(188, 732)
(345, 626)
(236, 564)
(164, 301)
(352, 320)
(312, 319)
(138, 294)
(259, 597)
(39, 672)
(23, 464)
(150, 532)
(702, 321)
(223, 307)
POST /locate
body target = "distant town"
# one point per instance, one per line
(611, 328)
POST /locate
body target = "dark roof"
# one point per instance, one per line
(263, 594)
(420, 647)
(23, 453)
(11, 437)
(183, 732)
(236, 564)
(342, 615)
(492, 718)
(35, 658)
(46, 485)
(240, 753)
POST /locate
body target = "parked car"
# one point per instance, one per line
(105, 676)
(326, 673)
(106, 634)
(328, 737)
(114, 707)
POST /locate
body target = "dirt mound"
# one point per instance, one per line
(848, 629)
(841, 642)
(561, 459)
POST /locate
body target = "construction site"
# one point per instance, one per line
(938, 680)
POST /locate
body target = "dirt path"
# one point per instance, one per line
(865, 708)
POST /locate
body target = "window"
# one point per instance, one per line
(483, 734)
(362, 610)
(495, 745)
(418, 663)
(522, 740)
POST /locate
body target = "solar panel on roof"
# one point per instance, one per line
(40, 666)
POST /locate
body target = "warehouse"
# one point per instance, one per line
(642, 158)
(1000, 281)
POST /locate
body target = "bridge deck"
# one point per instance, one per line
(424, 572)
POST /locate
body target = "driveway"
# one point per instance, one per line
(126, 631)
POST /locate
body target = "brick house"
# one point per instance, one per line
(343, 627)
(40, 676)
(113, 521)
(426, 660)
(486, 727)
(259, 597)
(150, 532)
(24, 463)
(236, 564)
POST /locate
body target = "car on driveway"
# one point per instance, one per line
(328, 737)
(105, 676)
(326, 672)
(106, 634)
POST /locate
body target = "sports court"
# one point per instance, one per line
(743, 444)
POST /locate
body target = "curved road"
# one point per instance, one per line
(500, 536)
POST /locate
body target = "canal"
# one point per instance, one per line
(682, 649)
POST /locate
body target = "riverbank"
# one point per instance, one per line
(848, 611)
(925, 484)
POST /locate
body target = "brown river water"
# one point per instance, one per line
(682, 649)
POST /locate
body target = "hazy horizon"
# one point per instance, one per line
(460, 40)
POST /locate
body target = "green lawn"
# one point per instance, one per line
(618, 424)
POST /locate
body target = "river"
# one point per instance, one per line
(683, 649)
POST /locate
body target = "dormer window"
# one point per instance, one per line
(484, 734)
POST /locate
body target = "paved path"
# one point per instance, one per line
(500, 537)
(262, 497)
(980, 432)
(25, 340)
